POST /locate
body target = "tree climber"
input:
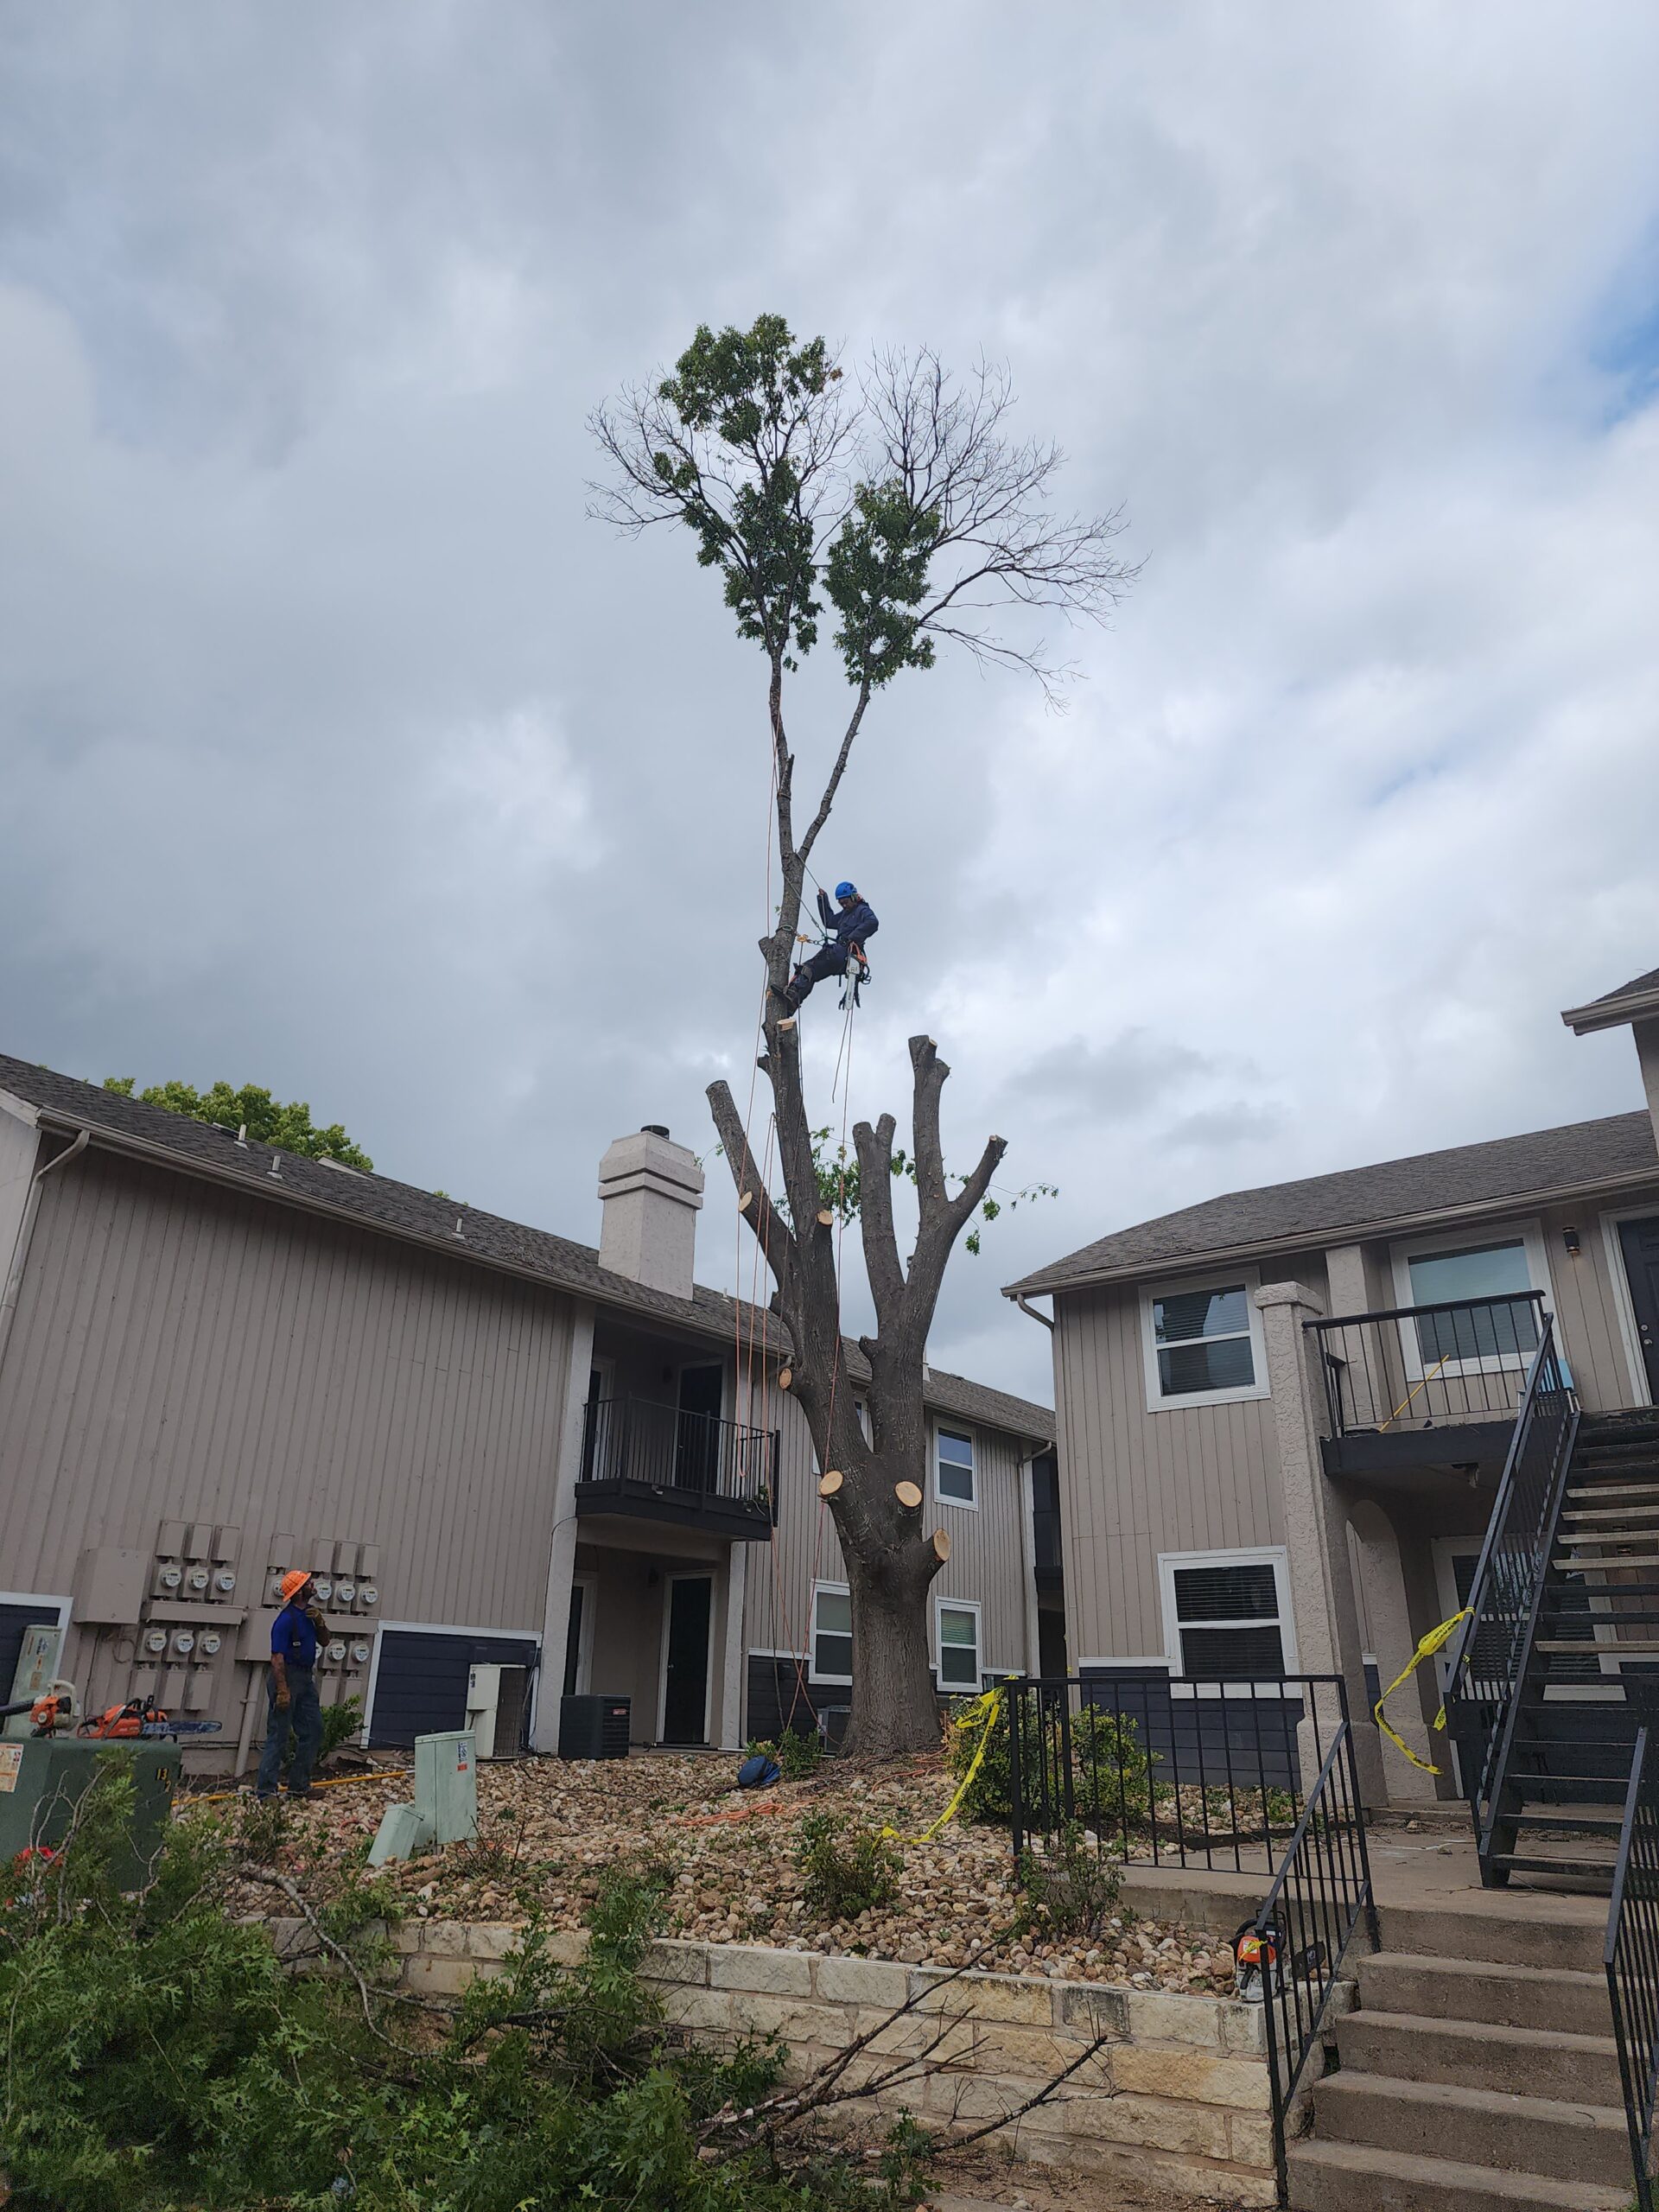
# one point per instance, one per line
(849, 931)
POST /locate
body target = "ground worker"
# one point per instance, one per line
(850, 929)
(291, 1689)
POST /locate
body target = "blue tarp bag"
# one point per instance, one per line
(759, 1773)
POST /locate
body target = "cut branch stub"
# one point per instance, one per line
(942, 1545)
(829, 1482)
(786, 1377)
(746, 1201)
(908, 1494)
(826, 1217)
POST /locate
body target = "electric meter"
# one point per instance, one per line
(210, 1642)
(170, 1577)
(224, 1582)
(359, 1655)
(325, 1591)
(197, 1578)
(336, 1651)
(368, 1593)
(346, 1592)
(156, 1640)
(184, 1643)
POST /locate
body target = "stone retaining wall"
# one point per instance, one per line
(1180, 2095)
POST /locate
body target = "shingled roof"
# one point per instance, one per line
(1365, 1201)
(1631, 1001)
(378, 1204)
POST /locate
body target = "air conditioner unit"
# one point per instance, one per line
(595, 1727)
(496, 1697)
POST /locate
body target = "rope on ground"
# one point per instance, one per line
(329, 1782)
(1426, 1649)
(988, 1704)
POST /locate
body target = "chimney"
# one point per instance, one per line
(651, 1190)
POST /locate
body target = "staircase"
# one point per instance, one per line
(1559, 1797)
(1479, 2074)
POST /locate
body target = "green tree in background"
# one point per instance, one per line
(267, 1120)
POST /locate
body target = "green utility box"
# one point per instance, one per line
(41, 1779)
(446, 1785)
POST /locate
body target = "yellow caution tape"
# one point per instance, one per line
(988, 1704)
(1426, 1649)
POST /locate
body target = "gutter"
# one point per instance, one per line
(1323, 1240)
(1029, 1309)
(283, 1193)
(1611, 1014)
(26, 1230)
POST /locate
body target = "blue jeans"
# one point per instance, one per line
(304, 1716)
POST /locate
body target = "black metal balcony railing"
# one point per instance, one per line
(698, 1457)
(1416, 1367)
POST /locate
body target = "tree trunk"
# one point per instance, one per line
(894, 1707)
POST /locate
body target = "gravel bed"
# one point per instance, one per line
(547, 1827)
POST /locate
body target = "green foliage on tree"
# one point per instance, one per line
(838, 1174)
(287, 1128)
(158, 2057)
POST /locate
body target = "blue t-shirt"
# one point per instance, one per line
(294, 1638)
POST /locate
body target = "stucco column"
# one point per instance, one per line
(561, 1550)
(1316, 1534)
(728, 1719)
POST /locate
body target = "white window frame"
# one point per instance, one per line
(1529, 1234)
(972, 1435)
(834, 1589)
(941, 1606)
(1624, 1305)
(1185, 1286)
(1274, 1555)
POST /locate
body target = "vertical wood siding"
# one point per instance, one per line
(18, 1146)
(1134, 1484)
(184, 1353)
(987, 1559)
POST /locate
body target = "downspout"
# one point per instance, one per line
(1026, 1308)
(26, 1232)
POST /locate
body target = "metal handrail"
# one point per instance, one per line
(1416, 1312)
(1630, 1960)
(1507, 1592)
(1320, 1895)
(696, 1457)
(1466, 1351)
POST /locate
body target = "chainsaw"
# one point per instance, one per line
(141, 1716)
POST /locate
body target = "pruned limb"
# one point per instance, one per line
(763, 1216)
(342, 1957)
(881, 1262)
(1038, 2097)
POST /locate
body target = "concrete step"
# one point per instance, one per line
(1530, 2062)
(1475, 2127)
(1468, 1990)
(1354, 2178)
(1513, 1929)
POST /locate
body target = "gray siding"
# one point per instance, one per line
(182, 1353)
(1134, 1484)
(986, 1563)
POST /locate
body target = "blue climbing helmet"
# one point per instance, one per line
(846, 891)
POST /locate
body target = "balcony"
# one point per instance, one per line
(1417, 1386)
(657, 1463)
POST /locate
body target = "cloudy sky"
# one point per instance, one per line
(339, 751)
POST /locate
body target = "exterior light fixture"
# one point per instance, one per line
(1570, 1238)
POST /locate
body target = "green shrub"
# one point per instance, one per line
(339, 1722)
(1111, 1770)
(850, 1869)
(798, 1753)
(1067, 1891)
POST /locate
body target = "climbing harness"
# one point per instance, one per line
(1426, 1649)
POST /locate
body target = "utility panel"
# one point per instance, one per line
(110, 1587)
(446, 1786)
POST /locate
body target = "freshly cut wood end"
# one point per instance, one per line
(786, 1377)
(907, 1494)
(830, 1482)
(942, 1544)
(826, 1217)
(746, 1201)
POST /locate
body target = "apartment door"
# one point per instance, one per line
(686, 1660)
(1639, 1242)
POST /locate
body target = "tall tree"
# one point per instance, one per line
(902, 497)
(267, 1120)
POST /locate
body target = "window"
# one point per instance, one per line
(1503, 1269)
(953, 1468)
(958, 1646)
(1227, 1614)
(1203, 1343)
(832, 1632)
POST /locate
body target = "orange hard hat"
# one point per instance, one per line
(293, 1582)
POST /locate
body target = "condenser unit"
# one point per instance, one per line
(595, 1727)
